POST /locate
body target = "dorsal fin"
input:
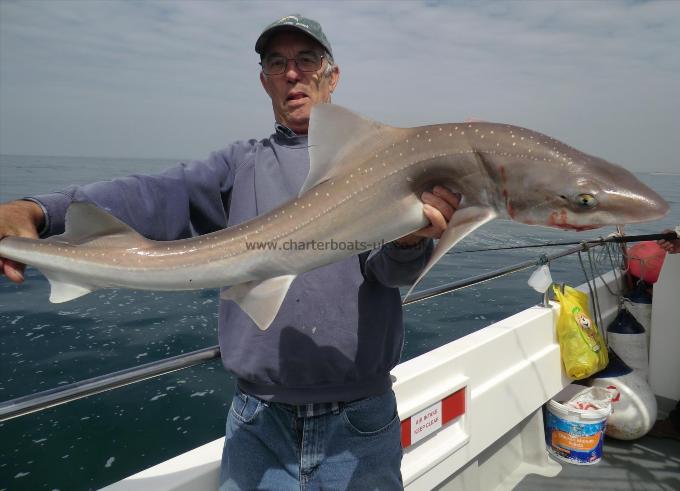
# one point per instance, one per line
(85, 223)
(333, 132)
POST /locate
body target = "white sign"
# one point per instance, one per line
(426, 422)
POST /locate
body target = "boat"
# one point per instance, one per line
(471, 410)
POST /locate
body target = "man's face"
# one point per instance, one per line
(294, 92)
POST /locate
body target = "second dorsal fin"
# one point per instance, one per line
(86, 222)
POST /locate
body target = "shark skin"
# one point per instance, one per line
(363, 188)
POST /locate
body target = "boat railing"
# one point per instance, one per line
(39, 401)
(498, 273)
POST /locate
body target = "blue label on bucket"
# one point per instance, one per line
(579, 443)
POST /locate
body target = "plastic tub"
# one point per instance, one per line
(575, 435)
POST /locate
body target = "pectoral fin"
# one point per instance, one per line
(462, 223)
(261, 300)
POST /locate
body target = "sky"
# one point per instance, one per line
(178, 79)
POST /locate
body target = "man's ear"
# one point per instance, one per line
(334, 78)
(263, 81)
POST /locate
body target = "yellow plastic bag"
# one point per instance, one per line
(582, 348)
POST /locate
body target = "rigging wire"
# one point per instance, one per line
(593, 295)
(615, 239)
(595, 262)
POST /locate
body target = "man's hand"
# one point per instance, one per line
(18, 219)
(672, 246)
(438, 206)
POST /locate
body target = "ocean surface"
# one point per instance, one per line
(103, 438)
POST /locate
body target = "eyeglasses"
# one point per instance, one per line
(307, 61)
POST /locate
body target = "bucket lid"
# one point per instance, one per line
(561, 409)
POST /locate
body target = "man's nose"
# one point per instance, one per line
(292, 70)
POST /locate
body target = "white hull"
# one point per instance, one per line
(507, 371)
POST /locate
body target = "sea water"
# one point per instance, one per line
(103, 438)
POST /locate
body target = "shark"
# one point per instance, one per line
(363, 188)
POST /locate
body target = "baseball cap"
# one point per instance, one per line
(293, 22)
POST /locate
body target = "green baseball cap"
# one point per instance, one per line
(294, 22)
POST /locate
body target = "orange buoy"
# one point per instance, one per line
(645, 260)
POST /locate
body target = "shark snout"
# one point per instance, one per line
(619, 196)
(648, 206)
(623, 205)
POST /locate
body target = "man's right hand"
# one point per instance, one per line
(671, 246)
(19, 219)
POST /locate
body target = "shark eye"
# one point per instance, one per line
(586, 200)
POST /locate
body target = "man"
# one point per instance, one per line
(313, 406)
(669, 427)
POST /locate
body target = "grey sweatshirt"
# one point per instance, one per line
(339, 330)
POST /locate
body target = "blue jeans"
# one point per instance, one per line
(269, 447)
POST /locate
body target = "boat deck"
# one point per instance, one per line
(649, 463)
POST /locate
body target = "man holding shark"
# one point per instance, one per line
(314, 406)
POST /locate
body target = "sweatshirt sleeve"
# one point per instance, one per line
(186, 200)
(395, 266)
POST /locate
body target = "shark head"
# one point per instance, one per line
(545, 182)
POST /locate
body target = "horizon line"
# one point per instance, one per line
(178, 160)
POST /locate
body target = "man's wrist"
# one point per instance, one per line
(35, 211)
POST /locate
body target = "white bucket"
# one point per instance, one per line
(575, 435)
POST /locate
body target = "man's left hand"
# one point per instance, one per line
(438, 206)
